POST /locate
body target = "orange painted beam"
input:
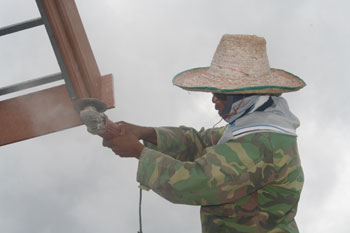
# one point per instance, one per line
(80, 44)
(74, 46)
(43, 112)
(65, 47)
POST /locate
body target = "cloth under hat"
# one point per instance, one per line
(260, 113)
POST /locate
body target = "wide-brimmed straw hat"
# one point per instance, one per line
(239, 66)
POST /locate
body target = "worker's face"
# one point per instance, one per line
(220, 101)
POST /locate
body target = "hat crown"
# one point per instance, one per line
(240, 55)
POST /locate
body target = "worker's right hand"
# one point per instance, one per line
(141, 132)
(126, 145)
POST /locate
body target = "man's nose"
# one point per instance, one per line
(214, 99)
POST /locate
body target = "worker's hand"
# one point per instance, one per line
(127, 145)
(141, 132)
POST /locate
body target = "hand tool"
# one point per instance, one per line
(92, 115)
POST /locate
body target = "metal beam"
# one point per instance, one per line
(21, 26)
(31, 83)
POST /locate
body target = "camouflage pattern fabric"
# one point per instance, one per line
(251, 184)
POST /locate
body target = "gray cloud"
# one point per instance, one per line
(67, 182)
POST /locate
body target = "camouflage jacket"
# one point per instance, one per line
(251, 184)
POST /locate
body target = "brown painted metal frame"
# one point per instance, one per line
(51, 110)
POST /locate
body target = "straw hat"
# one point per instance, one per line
(239, 66)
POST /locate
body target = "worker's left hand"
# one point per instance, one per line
(126, 145)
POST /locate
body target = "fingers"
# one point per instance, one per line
(110, 142)
(122, 127)
(122, 132)
(125, 146)
(122, 124)
(119, 140)
(107, 143)
(130, 129)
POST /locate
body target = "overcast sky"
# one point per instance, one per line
(68, 182)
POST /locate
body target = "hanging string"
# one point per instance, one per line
(225, 116)
(140, 218)
(211, 131)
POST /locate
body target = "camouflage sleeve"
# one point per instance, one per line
(223, 174)
(184, 143)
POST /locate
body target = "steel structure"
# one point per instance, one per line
(51, 110)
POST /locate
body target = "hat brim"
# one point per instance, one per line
(277, 81)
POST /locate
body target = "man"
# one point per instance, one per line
(247, 176)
